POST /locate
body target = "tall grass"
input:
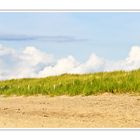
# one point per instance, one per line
(117, 82)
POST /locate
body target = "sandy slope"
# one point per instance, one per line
(92, 111)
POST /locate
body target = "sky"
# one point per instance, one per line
(40, 44)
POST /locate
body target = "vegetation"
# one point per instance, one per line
(117, 82)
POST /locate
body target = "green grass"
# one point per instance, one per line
(117, 82)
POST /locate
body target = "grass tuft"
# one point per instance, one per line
(117, 82)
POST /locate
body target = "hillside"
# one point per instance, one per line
(117, 82)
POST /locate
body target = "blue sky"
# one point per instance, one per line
(40, 44)
(109, 35)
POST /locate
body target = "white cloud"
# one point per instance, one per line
(64, 65)
(93, 64)
(130, 63)
(25, 63)
(32, 62)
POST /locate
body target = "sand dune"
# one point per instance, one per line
(100, 111)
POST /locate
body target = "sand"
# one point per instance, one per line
(102, 111)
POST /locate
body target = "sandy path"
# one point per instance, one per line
(92, 111)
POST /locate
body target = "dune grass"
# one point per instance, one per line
(117, 82)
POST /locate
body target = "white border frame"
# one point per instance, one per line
(69, 10)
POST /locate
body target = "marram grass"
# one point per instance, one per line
(117, 82)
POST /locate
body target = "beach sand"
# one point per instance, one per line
(102, 111)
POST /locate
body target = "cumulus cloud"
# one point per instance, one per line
(64, 65)
(130, 63)
(25, 63)
(32, 62)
